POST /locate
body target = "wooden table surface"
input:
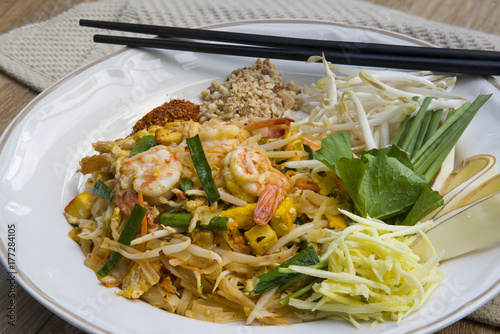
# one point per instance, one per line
(32, 317)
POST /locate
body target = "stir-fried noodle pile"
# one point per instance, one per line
(205, 259)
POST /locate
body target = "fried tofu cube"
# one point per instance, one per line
(261, 238)
(81, 205)
(285, 216)
(243, 216)
(336, 221)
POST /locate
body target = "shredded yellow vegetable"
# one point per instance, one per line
(372, 273)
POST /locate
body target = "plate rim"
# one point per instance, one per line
(74, 319)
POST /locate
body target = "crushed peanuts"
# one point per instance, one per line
(251, 92)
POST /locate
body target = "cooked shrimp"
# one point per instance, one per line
(221, 137)
(154, 172)
(248, 174)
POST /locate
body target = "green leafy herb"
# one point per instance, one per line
(426, 202)
(382, 183)
(380, 186)
(333, 149)
(143, 144)
(203, 168)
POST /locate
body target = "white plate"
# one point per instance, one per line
(42, 147)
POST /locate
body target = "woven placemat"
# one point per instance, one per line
(40, 54)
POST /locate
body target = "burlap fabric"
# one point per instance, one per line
(40, 54)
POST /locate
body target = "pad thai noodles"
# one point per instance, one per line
(257, 218)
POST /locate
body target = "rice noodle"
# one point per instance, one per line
(151, 275)
(289, 237)
(175, 246)
(287, 154)
(273, 145)
(265, 260)
(198, 251)
(154, 235)
(229, 290)
(226, 197)
(260, 305)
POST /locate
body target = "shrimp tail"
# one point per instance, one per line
(268, 203)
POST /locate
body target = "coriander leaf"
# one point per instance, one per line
(334, 148)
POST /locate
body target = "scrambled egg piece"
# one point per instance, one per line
(135, 284)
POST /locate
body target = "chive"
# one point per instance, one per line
(176, 219)
(216, 223)
(184, 219)
(401, 130)
(403, 127)
(273, 278)
(406, 130)
(102, 190)
(423, 131)
(203, 168)
(299, 277)
(143, 144)
(434, 124)
(131, 226)
(298, 293)
(435, 150)
(411, 137)
(421, 159)
(433, 168)
(291, 282)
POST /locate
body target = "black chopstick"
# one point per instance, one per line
(277, 48)
(473, 66)
(277, 41)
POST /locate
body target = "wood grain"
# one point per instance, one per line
(32, 317)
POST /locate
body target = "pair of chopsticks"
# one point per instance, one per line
(479, 62)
